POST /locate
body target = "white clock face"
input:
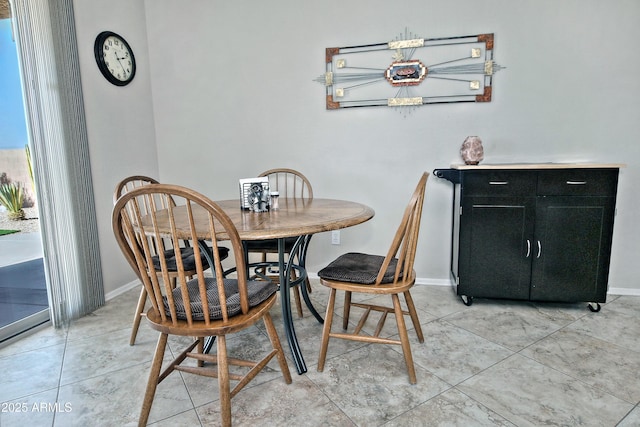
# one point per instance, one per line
(117, 58)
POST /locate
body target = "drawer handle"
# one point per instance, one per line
(528, 248)
(576, 182)
(539, 249)
(498, 182)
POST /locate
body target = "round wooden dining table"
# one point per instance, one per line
(294, 218)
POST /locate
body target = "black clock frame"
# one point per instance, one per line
(102, 66)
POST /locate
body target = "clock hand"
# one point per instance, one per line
(120, 62)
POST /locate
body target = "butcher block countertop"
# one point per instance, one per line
(460, 166)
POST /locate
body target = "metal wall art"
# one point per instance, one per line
(410, 71)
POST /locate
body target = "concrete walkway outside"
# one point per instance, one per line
(20, 247)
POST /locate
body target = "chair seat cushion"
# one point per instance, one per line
(258, 292)
(356, 267)
(188, 259)
(270, 245)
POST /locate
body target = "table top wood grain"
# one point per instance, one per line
(294, 218)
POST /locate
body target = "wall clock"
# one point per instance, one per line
(410, 71)
(115, 58)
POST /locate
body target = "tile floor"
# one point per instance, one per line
(495, 363)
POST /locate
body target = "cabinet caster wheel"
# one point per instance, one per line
(594, 308)
(466, 300)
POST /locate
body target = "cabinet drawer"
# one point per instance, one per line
(499, 183)
(578, 182)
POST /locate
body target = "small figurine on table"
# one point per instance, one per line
(258, 198)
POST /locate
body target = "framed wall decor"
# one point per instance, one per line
(410, 71)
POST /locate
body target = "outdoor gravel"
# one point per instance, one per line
(28, 225)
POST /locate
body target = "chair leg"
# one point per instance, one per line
(152, 384)
(296, 290)
(142, 300)
(326, 329)
(414, 316)
(275, 342)
(296, 294)
(296, 297)
(346, 310)
(404, 338)
(223, 381)
(200, 350)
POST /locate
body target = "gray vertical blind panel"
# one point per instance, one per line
(49, 61)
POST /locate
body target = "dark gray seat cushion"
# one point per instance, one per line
(258, 292)
(270, 244)
(355, 267)
(188, 259)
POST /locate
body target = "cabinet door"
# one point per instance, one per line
(572, 248)
(495, 247)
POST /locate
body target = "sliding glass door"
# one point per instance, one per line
(23, 286)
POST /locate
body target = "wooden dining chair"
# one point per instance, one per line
(199, 307)
(291, 185)
(392, 275)
(131, 183)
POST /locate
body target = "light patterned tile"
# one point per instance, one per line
(632, 419)
(115, 315)
(275, 404)
(34, 410)
(512, 324)
(30, 372)
(596, 362)
(371, 384)
(115, 399)
(44, 337)
(618, 327)
(450, 408)
(583, 363)
(438, 301)
(101, 354)
(623, 304)
(446, 352)
(528, 393)
(182, 419)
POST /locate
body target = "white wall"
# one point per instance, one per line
(119, 119)
(234, 95)
(225, 90)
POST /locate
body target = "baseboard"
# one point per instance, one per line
(122, 289)
(624, 291)
(432, 282)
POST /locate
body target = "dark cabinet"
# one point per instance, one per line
(532, 234)
(492, 247)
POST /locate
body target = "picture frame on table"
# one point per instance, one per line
(254, 194)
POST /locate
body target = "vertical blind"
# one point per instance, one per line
(48, 57)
